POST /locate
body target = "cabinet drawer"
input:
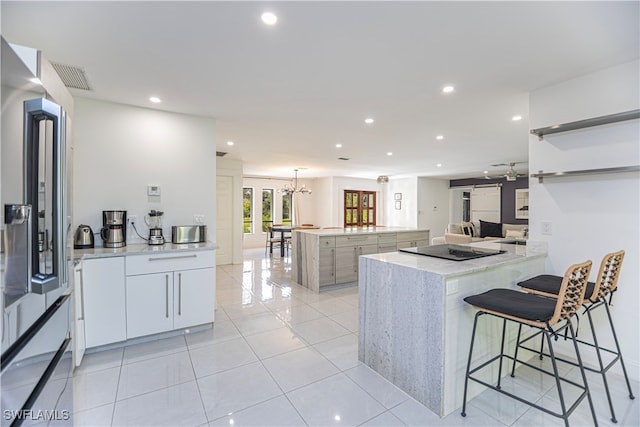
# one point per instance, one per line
(413, 236)
(174, 261)
(357, 240)
(390, 247)
(386, 238)
(327, 242)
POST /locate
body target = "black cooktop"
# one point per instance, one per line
(452, 252)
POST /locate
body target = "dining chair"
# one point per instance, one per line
(271, 241)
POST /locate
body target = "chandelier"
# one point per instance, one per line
(293, 188)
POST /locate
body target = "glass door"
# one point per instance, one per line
(359, 208)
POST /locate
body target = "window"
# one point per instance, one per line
(267, 209)
(359, 208)
(247, 209)
(286, 209)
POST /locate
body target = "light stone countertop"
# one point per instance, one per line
(140, 249)
(356, 231)
(448, 268)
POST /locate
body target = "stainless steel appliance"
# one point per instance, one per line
(114, 229)
(36, 357)
(188, 234)
(83, 239)
(154, 221)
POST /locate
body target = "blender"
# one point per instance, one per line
(154, 221)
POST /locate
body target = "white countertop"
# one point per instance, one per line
(449, 268)
(355, 231)
(140, 249)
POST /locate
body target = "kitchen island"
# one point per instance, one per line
(415, 328)
(324, 257)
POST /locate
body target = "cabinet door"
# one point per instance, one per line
(194, 297)
(327, 267)
(78, 338)
(103, 286)
(347, 261)
(149, 304)
(346, 264)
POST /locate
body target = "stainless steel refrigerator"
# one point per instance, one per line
(36, 361)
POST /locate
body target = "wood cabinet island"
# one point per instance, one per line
(324, 257)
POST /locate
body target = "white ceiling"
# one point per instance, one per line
(287, 94)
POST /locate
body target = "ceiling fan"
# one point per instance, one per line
(510, 174)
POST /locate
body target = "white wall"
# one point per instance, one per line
(433, 205)
(120, 149)
(324, 203)
(597, 214)
(407, 215)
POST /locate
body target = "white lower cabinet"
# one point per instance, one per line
(149, 304)
(102, 291)
(164, 301)
(161, 302)
(193, 297)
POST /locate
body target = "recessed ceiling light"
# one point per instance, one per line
(36, 81)
(439, 165)
(448, 89)
(368, 120)
(155, 99)
(516, 118)
(389, 153)
(485, 172)
(440, 137)
(269, 18)
(229, 143)
(338, 145)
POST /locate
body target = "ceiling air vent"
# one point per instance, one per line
(343, 158)
(220, 154)
(72, 77)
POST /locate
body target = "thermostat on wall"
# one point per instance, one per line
(153, 190)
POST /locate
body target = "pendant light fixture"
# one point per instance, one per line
(293, 188)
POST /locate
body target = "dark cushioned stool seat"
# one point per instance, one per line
(551, 285)
(515, 303)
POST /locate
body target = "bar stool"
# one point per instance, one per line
(595, 296)
(550, 316)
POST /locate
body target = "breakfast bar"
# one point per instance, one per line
(414, 327)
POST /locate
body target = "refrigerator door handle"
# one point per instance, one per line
(24, 339)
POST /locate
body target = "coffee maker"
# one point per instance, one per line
(114, 229)
(154, 222)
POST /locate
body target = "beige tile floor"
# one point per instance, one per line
(280, 355)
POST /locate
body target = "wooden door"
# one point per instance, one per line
(359, 208)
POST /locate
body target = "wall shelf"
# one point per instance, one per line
(541, 174)
(581, 124)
